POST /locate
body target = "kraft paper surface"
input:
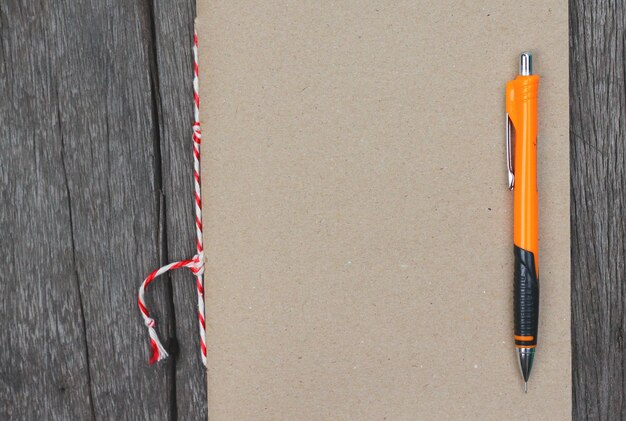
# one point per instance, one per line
(358, 226)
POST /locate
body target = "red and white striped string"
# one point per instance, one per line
(196, 263)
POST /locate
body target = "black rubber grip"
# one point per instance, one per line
(526, 297)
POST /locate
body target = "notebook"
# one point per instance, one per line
(358, 225)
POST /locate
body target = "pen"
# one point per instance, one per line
(521, 150)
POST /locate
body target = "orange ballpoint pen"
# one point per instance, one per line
(521, 148)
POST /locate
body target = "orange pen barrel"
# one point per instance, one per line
(521, 107)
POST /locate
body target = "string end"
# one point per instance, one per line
(158, 351)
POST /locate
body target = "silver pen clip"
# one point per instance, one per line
(509, 153)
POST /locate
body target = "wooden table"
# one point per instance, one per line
(95, 182)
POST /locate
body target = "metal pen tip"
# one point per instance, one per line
(525, 357)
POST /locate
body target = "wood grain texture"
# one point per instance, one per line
(598, 204)
(83, 215)
(44, 359)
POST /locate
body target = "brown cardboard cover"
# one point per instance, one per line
(357, 222)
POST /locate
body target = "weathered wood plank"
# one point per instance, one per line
(79, 212)
(598, 203)
(173, 35)
(44, 359)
